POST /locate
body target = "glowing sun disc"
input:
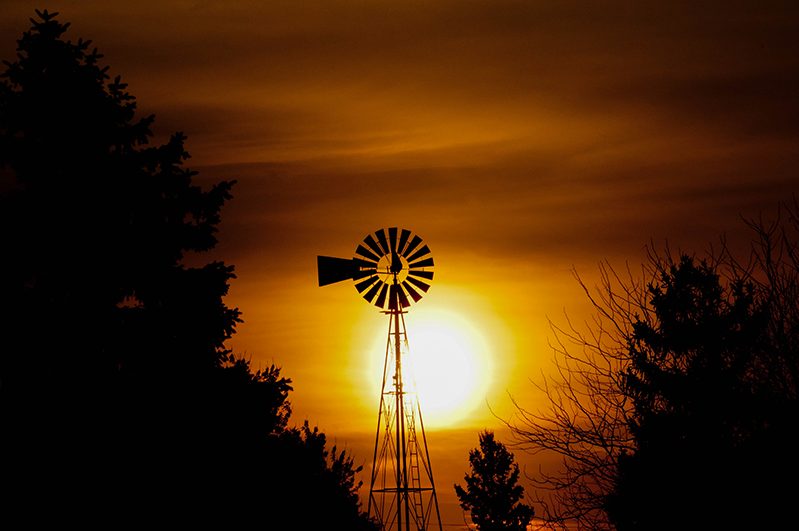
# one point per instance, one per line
(450, 364)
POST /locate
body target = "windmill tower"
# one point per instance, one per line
(390, 268)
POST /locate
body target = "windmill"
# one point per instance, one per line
(391, 268)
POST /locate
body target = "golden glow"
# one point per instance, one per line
(449, 363)
(451, 368)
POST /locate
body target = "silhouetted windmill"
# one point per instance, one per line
(390, 268)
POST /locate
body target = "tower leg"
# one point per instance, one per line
(402, 494)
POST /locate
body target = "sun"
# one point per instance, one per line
(449, 363)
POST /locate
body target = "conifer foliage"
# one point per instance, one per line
(492, 494)
(119, 399)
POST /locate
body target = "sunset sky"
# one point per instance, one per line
(520, 139)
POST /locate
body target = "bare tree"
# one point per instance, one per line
(585, 421)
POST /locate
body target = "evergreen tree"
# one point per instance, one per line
(110, 341)
(119, 400)
(95, 228)
(706, 416)
(492, 494)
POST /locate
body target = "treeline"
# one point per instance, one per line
(120, 403)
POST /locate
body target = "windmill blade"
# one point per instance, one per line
(332, 270)
(415, 295)
(363, 273)
(366, 253)
(419, 284)
(370, 241)
(420, 253)
(381, 239)
(413, 245)
(381, 299)
(424, 274)
(403, 299)
(392, 238)
(363, 264)
(394, 297)
(403, 239)
(364, 284)
(427, 262)
(370, 295)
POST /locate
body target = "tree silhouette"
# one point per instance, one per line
(98, 306)
(704, 410)
(676, 409)
(314, 488)
(492, 494)
(96, 228)
(119, 400)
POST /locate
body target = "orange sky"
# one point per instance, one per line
(519, 138)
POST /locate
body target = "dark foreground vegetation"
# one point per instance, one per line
(119, 401)
(677, 407)
(491, 493)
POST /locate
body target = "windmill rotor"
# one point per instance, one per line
(391, 268)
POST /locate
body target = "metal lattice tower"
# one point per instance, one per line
(391, 268)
